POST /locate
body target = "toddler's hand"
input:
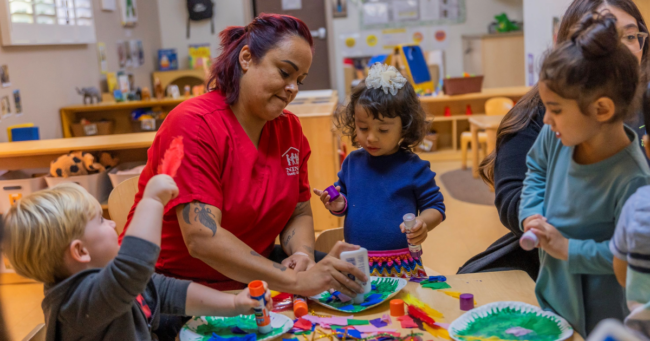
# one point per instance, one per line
(162, 188)
(550, 239)
(335, 206)
(418, 234)
(244, 304)
(531, 220)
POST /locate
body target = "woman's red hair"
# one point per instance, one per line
(261, 35)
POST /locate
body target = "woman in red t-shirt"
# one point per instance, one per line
(243, 180)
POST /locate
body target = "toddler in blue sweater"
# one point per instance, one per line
(384, 180)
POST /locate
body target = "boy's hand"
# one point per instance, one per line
(418, 233)
(162, 188)
(335, 206)
(531, 219)
(550, 239)
(244, 304)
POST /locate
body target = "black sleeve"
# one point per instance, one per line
(510, 172)
(172, 293)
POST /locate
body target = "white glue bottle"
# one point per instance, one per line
(529, 241)
(409, 223)
(359, 259)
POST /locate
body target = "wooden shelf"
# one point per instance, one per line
(517, 91)
(105, 106)
(454, 117)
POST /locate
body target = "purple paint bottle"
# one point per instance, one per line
(333, 193)
(528, 241)
(409, 223)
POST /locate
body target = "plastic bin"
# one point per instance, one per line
(19, 184)
(98, 185)
(146, 125)
(117, 179)
(100, 128)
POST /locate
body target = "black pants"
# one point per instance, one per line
(170, 325)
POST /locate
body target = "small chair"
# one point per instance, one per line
(120, 202)
(37, 334)
(493, 107)
(22, 125)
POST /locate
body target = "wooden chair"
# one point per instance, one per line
(325, 242)
(121, 200)
(37, 334)
(493, 107)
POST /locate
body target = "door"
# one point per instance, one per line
(313, 14)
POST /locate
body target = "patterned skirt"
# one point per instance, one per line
(395, 263)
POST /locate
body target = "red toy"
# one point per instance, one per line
(447, 112)
(468, 111)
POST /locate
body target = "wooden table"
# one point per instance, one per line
(490, 124)
(486, 287)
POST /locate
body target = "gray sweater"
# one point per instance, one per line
(100, 304)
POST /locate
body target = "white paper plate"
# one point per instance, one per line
(277, 320)
(400, 285)
(462, 322)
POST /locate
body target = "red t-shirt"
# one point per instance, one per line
(256, 190)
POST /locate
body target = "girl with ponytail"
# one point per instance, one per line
(582, 168)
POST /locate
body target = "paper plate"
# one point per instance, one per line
(494, 319)
(400, 285)
(198, 328)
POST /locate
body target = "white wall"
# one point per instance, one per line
(538, 29)
(173, 25)
(480, 13)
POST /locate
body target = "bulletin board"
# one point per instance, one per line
(393, 14)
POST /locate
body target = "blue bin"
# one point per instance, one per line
(25, 134)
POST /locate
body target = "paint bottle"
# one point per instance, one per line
(359, 259)
(409, 223)
(529, 241)
(300, 307)
(262, 317)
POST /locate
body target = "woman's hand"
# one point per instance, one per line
(335, 206)
(550, 239)
(244, 304)
(299, 261)
(328, 274)
(418, 233)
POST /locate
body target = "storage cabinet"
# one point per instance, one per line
(498, 57)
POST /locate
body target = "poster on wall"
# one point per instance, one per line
(384, 14)
(393, 37)
(405, 10)
(6, 108)
(129, 13)
(121, 53)
(350, 45)
(101, 54)
(4, 76)
(288, 5)
(18, 103)
(375, 13)
(339, 8)
(140, 52)
(108, 5)
(134, 53)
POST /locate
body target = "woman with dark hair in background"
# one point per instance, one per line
(505, 168)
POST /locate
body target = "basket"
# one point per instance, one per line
(100, 128)
(98, 184)
(117, 179)
(15, 185)
(463, 85)
(146, 125)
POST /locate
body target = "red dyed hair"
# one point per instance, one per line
(261, 35)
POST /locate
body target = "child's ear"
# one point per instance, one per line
(78, 252)
(604, 109)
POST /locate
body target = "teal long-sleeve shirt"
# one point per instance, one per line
(583, 202)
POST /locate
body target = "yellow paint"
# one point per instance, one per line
(437, 331)
(454, 294)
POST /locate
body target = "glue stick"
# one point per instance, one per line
(262, 317)
(359, 259)
(529, 241)
(300, 307)
(409, 223)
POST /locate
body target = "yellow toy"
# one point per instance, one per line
(409, 60)
(80, 163)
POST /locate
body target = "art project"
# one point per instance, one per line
(383, 289)
(510, 321)
(202, 328)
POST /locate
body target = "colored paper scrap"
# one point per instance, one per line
(338, 321)
(372, 329)
(378, 323)
(347, 308)
(351, 332)
(344, 298)
(518, 331)
(302, 324)
(358, 322)
(437, 331)
(312, 319)
(371, 302)
(411, 300)
(249, 337)
(441, 325)
(407, 322)
(374, 297)
(437, 285)
(386, 318)
(237, 330)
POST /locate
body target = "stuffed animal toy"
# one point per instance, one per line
(80, 163)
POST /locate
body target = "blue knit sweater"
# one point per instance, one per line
(380, 190)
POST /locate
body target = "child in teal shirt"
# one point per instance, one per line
(581, 170)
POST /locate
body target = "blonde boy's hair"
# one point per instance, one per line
(40, 227)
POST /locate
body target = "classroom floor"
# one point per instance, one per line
(468, 229)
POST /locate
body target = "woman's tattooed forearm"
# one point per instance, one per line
(202, 213)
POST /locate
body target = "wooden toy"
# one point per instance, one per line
(409, 60)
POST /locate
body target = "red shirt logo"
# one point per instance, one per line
(291, 156)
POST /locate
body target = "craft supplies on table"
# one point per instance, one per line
(257, 292)
(382, 290)
(359, 258)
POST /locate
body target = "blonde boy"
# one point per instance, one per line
(95, 289)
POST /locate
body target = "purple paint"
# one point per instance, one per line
(518, 331)
(333, 193)
(466, 302)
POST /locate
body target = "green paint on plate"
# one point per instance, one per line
(222, 326)
(495, 324)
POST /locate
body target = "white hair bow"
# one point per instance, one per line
(386, 77)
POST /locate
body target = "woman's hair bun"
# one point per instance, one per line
(596, 35)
